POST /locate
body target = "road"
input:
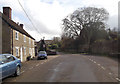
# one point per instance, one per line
(68, 68)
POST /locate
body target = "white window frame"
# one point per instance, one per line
(30, 51)
(33, 51)
(24, 38)
(29, 41)
(17, 51)
(24, 50)
(33, 42)
(16, 35)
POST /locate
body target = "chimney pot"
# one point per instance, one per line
(21, 25)
(7, 11)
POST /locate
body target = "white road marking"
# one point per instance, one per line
(22, 72)
(98, 64)
(37, 65)
(95, 62)
(110, 73)
(117, 79)
(90, 59)
(31, 68)
(102, 67)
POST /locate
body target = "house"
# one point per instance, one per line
(15, 40)
(38, 44)
(48, 42)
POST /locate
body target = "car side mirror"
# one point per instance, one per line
(2, 62)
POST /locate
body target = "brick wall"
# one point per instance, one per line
(25, 45)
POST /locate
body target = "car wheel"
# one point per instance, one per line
(17, 72)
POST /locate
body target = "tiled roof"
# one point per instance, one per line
(13, 25)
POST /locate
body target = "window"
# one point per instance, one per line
(3, 59)
(17, 51)
(11, 59)
(17, 35)
(24, 38)
(30, 51)
(42, 52)
(29, 41)
(33, 51)
(24, 50)
(33, 42)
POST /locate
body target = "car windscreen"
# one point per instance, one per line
(42, 52)
(0, 59)
(3, 59)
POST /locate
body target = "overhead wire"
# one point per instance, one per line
(29, 18)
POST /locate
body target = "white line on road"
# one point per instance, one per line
(117, 79)
(110, 73)
(31, 68)
(98, 64)
(22, 72)
(95, 62)
(102, 67)
(37, 65)
(90, 59)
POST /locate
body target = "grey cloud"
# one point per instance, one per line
(113, 21)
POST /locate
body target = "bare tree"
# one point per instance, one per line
(85, 22)
(84, 18)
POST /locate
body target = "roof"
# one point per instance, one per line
(15, 26)
(48, 40)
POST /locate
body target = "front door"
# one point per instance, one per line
(21, 55)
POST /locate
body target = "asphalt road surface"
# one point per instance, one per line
(68, 68)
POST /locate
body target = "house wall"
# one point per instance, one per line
(0, 35)
(6, 38)
(8, 42)
(21, 44)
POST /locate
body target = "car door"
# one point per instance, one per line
(11, 65)
(3, 66)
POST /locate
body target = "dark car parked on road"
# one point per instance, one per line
(9, 65)
(42, 54)
(51, 52)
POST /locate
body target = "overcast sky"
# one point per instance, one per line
(46, 15)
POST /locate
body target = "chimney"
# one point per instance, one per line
(7, 11)
(21, 25)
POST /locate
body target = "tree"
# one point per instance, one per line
(42, 45)
(85, 23)
(84, 18)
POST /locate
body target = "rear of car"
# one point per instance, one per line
(9, 65)
(42, 55)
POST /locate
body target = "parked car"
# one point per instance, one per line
(51, 52)
(9, 65)
(42, 54)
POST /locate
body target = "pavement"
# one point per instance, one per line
(68, 68)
